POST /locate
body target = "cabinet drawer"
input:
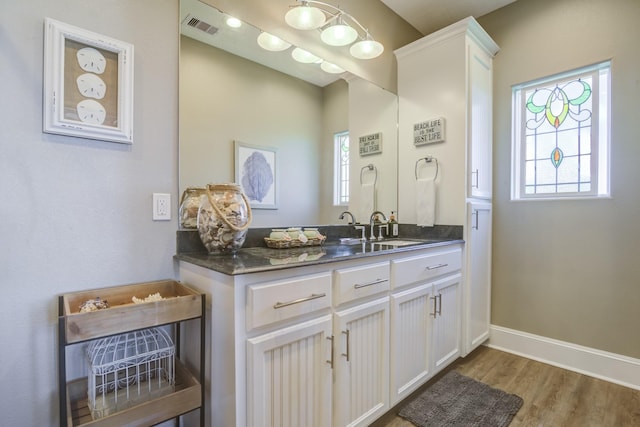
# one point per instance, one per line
(425, 267)
(284, 299)
(358, 282)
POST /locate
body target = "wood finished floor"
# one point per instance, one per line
(552, 396)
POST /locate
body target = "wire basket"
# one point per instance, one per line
(128, 369)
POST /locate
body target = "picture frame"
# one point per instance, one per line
(257, 173)
(88, 84)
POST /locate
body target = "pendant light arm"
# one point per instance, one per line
(334, 12)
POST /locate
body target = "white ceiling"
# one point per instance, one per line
(428, 16)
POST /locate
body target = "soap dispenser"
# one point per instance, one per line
(393, 225)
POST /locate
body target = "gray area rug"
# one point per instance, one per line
(457, 400)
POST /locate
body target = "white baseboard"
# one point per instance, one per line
(600, 364)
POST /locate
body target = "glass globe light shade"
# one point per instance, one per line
(303, 56)
(339, 34)
(272, 43)
(366, 49)
(328, 67)
(305, 17)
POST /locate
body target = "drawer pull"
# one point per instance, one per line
(435, 307)
(347, 353)
(330, 361)
(364, 285)
(298, 301)
(433, 267)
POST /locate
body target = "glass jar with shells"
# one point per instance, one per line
(189, 205)
(224, 217)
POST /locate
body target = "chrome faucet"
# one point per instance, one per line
(353, 219)
(372, 223)
(354, 223)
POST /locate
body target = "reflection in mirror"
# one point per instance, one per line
(228, 96)
(373, 117)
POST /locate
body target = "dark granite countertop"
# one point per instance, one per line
(256, 257)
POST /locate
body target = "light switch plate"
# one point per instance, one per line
(161, 207)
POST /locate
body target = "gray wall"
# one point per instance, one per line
(569, 270)
(75, 213)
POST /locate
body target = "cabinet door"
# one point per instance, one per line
(478, 279)
(446, 300)
(289, 376)
(411, 317)
(479, 128)
(361, 361)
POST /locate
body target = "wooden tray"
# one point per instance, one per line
(180, 303)
(185, 398)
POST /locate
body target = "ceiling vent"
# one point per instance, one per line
(194, 22)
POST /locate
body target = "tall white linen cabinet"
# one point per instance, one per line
(448, 75)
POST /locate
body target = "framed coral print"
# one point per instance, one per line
(256, 172)
(88, 84)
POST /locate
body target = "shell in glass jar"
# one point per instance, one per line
(223, 218)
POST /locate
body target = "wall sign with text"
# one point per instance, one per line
(429, 131)
(370, 144)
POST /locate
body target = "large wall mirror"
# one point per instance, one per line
(231, 91)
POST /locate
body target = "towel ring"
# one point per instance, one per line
(427, 159)
(370, 167)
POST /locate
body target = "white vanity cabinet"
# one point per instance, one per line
(289, 376)
(479, 63)
(449, 75)
(447, 299)
(289, 367)
(425, 318)
(326, 344)
(361, 340)
(478, 298)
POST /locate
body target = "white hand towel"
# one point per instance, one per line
(426, 202)
(367, 201)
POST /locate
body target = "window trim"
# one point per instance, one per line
(338, 177)
(600, 135)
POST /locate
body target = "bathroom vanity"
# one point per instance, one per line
(328, 335)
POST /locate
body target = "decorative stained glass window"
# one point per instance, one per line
(561, 127)
(341, 175)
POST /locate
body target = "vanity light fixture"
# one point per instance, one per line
(338, 33)
(335, 31)
(305, 57)
(272, 43)
(366, 48)
(305, 17)
(330, 68)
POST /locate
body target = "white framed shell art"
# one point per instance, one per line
(88, 84)
(256, 172)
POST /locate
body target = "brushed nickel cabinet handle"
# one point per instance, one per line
(347, 353)
(330, 361)
(298, 301)
(364, 285)
(440, 304)
(433, 267)
(477, 184)
(435, 311)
